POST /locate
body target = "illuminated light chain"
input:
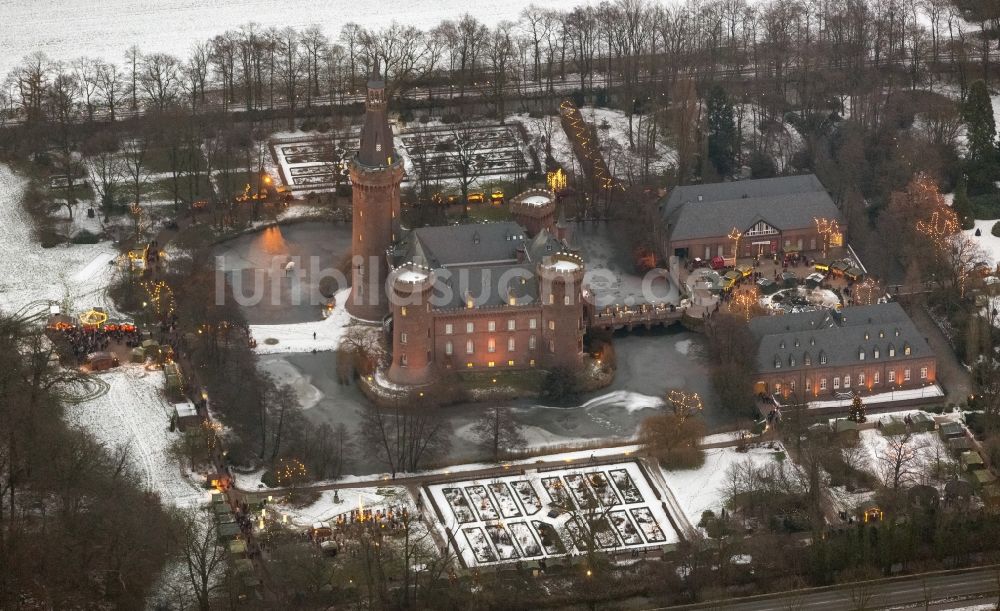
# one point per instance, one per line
(289, 469)
(826, 228)
(735, 236)
(867, 292)
(685, 403)
(745, 301)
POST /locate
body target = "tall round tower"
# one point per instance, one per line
(376, 173)
(412, 325)
(561, 290)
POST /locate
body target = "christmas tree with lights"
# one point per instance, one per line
(857, 413)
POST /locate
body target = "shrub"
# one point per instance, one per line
(86, 237)
(996, 229)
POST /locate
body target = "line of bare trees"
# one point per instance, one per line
(636, 44)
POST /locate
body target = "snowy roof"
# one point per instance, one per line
(185, 409)
(789, 339)
(788, 202)
(565, 266)
(536, 200)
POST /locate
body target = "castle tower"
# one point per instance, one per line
(534, 210)
(560, 279)
(376, 172)
(412, 325)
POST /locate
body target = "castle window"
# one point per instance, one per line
(822, 358)
(892, 351)
(469, 348)
(510, 324)
(861, 354)
(469, 327)
(809, 384)
(847, 381)
(512, 300)
(492, 325)
(875, 378)
(403, 362)
(533, 323)
(491, 364)
(510, 344)
(822, 383)
(552, 346)
(491, 345)
(566, 300)
(449, 329)
(531, 342)
(861, 379)
(402, 338)
(923, 373)
(777, 363)
(449, 348)
(807, 360)
(875, 353)
(552, 299)
(892, 376)
(552, 325)
(402, 311)
(906, 349)
(531, 363)
(510, 363)
(469, 303)
(469, 364)
(906, 375)
(836, 383)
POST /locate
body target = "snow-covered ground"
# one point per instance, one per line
(30, 273)
(704, 488)
(624, 160)
(503, 519)
(915, 458)
(989, 243)
(319, 336)
(134, 414)
(548, 127)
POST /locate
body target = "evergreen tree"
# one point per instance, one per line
(977, 113)
(721, 131)
(857, 413)
(962, 206)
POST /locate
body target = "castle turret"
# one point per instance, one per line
(534, 210)
(412, 325)
(376, 173)
(560, 278)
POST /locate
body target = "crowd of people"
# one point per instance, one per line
(83, 341)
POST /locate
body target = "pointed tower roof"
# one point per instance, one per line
(376, 148)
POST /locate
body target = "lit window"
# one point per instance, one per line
(822, 384)
(906, 349)
(875, 354)
(510, 344)
(892, 376)
(552, 299)
(875, 378)
(861, 355)
(531, 363)
(403, 362)
(566, 300)
(809, 384)
(449, 329)
(468, 327)
(906, 375)
(449, 348)
(469, 347)
(510, 363)
(847, 381)
(510, 325)
(491, 325)
(491, 345)
(402, 338)
(861, 379)
(552, 325)
(836, 383)
(402, 311)
(923, 373)
(491, 364)
(469, 365)
(791, 385)
(533, 323)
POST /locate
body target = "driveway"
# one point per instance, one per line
(952, 375)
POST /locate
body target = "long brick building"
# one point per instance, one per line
(772, 215)
(460, 297)
(866, 349)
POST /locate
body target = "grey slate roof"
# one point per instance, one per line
(839, 337)
(457, 245)
(487, 285)
(787, 202)
(376, 146)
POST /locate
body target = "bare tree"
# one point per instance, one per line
(900, 462)
(404, 437)
(498, 432)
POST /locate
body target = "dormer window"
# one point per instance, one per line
(777, 363)
(892, 351)
(861, 354)
(796, 342)
(906, 349)
(822, 358)
(791, 361)
(875, 353)
(812, 341)
(881, 333)
(807, 360)
(782, 344)
(897, 332)
(866, 335)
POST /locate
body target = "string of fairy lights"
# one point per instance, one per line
(580, 132)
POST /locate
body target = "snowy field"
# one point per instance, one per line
(30, 274)
(623, 160)
(544, 514)
(916, 458)
(543, 129)
(134, 414)
(67, 29)
(702, 489)
(989, 243)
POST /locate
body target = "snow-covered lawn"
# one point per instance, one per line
(134, 414)
(704, 488)
(319, 336)
(989, 243)
(622, 158)
(30, 274)
(880, 455)
(508, 518)
(326, 508)
(545, 127)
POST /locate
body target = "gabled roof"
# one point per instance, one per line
(787, 202)
(490, 285)
(463, 245)
(839, 337)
